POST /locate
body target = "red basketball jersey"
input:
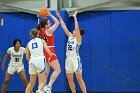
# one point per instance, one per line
(47, 38)
(50, 43)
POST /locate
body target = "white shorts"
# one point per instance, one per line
(37, 65)
(73, 64)
(12, 69)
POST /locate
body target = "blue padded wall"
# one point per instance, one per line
(109, 51)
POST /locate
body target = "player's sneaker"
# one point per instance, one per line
(47, 89)
(38, 91)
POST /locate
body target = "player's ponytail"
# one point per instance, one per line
(33, 33)
(82, 32)
(42, 24)
(38, 27)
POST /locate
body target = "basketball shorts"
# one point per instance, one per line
(37, 65)
(73, 64)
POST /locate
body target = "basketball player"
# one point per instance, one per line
(73, 63)
(37, 61)
(46, 32)
(15, 65)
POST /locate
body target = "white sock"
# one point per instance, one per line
(39, 90)
(75, 92)
(49, 85)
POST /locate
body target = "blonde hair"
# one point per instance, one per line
(33, 33)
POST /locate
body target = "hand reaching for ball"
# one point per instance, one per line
(58, 14)
(75, 14)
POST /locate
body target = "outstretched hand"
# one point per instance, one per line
(58, 14)
(48, 13)
(75, 14)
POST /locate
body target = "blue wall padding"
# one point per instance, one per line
(109, 51)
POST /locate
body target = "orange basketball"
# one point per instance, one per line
(43, 12)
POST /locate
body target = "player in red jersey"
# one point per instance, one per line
(46, 32)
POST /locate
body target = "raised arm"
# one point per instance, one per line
(55, 25)
(78, 37)
(63, 25)
(76, 23)
(4, 60)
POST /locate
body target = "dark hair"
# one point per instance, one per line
(15, 41)
(33, 33)
(42, 24)
(82, 32)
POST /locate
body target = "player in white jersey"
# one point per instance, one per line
(37, 61)
(73, 63)
(15, 65)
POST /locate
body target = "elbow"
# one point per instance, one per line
(57, 23)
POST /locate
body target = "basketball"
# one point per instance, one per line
(43, 12)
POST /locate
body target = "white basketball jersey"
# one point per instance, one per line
(36, 47)
(16, 57)
(72, 47)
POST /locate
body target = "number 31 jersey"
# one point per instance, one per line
(16, 57)
(36, 47)
(72, 47)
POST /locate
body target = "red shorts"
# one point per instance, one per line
(53, 57)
